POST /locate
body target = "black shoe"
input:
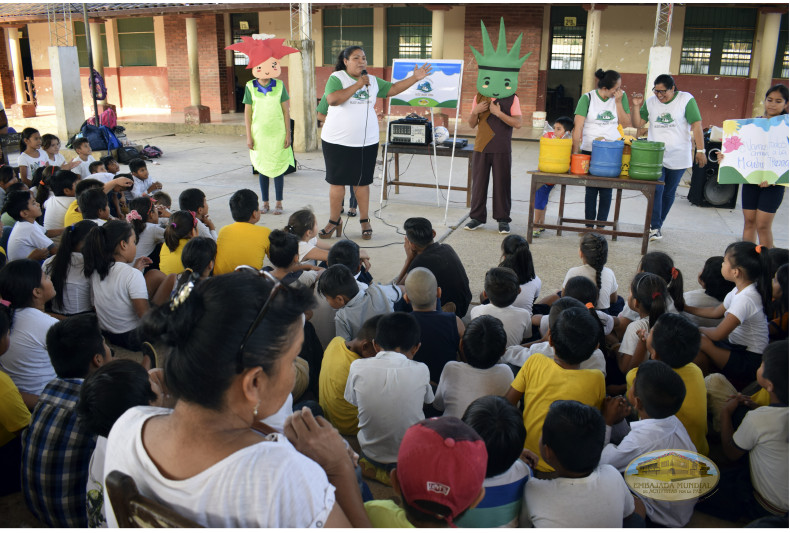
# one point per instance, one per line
(473, 224)
(504, 227)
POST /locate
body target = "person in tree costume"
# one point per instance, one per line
(495, 112)
(266, 114)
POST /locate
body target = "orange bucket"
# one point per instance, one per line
(580, 163)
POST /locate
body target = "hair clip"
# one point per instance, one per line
(5, 303)
(656, 295)
(133, 215)
(758, 248)
(42, 183)
(173, 224)
(675, 273)
(589, 305)
(194, 219)
(183, 294)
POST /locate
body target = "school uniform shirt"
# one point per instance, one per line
(83, 169)
(32, 162)
(104, 177)
(646, 436)
(98, 221)
(386, 514)
(304, 249)
(170, 260)
(72, 215)
(501, 505)
(631, 338)
(606, 320)
(608, 283)
(332, 380)
(55, 208)
(632, 315)
(76, 287)
(26, 237)
(14, 414)
(530, 291)
(600, 118)
(113, 297)
(517, 321)
(518, 355)
(140, 187)
(203, 231)
(764, 434)
(152, 235)
(241, 243)
(602, 499)
(670, 123)
(746, 306)
(27, 362)
(265, 485)
(461, 384)
(376, 300)
(542, 381)
(345, 123)
(57, 161)
(389, 391)
(693, 414)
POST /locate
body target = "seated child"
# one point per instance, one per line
(7, 178)
(347, 252)
(502, 288)
(110, 164)
(389, 391)
(648, 298)
(338, 286)
(163, 204)
(441, 469)
(243, 242)
(303, 224)
(198, 258)
(27, 239)
(675, 341)
(338, 356)
(541, 381)
(587, 492)
(57, 448)
(144, 218)
(62, 184)
(183, 226)
(594, 252)
(93, 206)
(7, 220)
(50, 144)
(105, 395)
(563, 127)
(778, 326)
(284, 255)
(82, 147)
(440, 331)
(477, 374)
(499, 425)
(714, 290)
(143, 184)
(584, 290)
(657, 394)
(195, 200)
(516, 255)
(65, 269)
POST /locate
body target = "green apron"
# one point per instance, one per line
(268, 132)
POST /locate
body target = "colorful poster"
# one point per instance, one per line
(755, 150)
(440, 89)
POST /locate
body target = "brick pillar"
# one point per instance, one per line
(7, 92)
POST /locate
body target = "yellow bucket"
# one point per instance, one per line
(555, 155)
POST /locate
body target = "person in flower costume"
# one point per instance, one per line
(266, 114)
(495, 112)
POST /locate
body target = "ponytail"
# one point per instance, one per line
(41, 180)
(140, 210)
(518, 257)
(345, 54)
(100, 245)
(661, 264)
(755, 262)
(300, 222)
(650, 293)
(197, 255)
(595, 251)
(180, 227)
(58, 269)
(26, 134)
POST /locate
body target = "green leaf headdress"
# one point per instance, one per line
(498, 69)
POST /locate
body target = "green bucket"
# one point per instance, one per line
(647, 158)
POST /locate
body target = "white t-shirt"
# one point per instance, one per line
(76, 287)
(83, 169)
(646, 436)
(632, 315)
(630, 337)
(764, 433)
(607, 321)
(518, 355)
(668, 125)
(32, 163)
(517, 321)
(601, 499)
(203, 230)
(95, 485)
(389, 391)
(140, 187)
(304, 249)
(55, 211)
(98, 221)
(698, 298)
(345, 123)
(113, 297)
(268, 484)
(27, 361)
(26, 237)
(57, 161)
(461, 384)
(747, 306)
(608, 283)
(529, 292)
(104, 177)
(152, 235)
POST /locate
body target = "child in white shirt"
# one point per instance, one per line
(84, 158)
(648, 298)
(62, 184)
(594, 252)
(502, 288)
(28, 239)
(51, 146)
(303, 224)
(143, 184)
(31, 156)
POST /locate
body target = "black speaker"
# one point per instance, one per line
(705, 191)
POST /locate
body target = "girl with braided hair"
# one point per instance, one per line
(648, 298)
(594, 251)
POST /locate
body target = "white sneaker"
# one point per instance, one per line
(655, 235)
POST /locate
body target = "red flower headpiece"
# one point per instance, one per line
(259, 50)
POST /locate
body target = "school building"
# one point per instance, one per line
(722, 54)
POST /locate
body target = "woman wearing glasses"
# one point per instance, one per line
(672, 114)
(234, 339)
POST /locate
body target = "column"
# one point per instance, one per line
(589, 81)
(66, 89)
(301, 83)
(97, 51)
(769, 37)
(22, 108)
(195, 113)
(437, 52)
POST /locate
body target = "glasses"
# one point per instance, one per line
(278, 287)
(659, 92)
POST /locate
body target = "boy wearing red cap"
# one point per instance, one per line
(441, 468)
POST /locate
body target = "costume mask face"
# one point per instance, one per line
(264, 53)
(498, 70)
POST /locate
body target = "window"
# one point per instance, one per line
(780, 65)
(242, 24)
(408, 33)
(136, 42)
(347, 27)
(718, 41)
(82, 45)
(568, 29)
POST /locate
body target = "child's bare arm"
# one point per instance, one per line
(287, 117)
(156, 186)
(513, 396)
(317, 254)
(248, 125)
(731, 450)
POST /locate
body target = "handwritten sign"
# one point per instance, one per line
(755, 150)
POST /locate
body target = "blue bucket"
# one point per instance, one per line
(607, 159)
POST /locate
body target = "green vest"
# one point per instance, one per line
(268, 132)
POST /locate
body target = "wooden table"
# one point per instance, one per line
(421, 149)
(648, 188)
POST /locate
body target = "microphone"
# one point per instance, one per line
(365, 73)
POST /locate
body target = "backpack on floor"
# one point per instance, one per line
(127, 153)
(152, 152)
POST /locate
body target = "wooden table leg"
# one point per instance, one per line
(468, 182)
(397, 174)
(562, 209)
(385, 183)
(532, 189)
(617, 211)
(650, 192)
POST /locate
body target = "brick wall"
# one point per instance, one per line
(519, 18)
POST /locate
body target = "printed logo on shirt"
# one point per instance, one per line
(672, 475)
(362, 95)
(665, 118)
(439, 488)
(605, 116)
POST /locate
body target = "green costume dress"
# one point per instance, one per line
(269, 157)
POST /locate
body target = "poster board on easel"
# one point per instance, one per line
(442, 88)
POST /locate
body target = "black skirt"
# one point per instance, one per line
(349, 165)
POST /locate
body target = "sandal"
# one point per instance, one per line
(265, 208)
(324, 234)
(352, 211)
(367, 234)
(278, 209)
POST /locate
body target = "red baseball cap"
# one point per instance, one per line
(441, 460)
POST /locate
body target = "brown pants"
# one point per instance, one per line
(484, 164)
